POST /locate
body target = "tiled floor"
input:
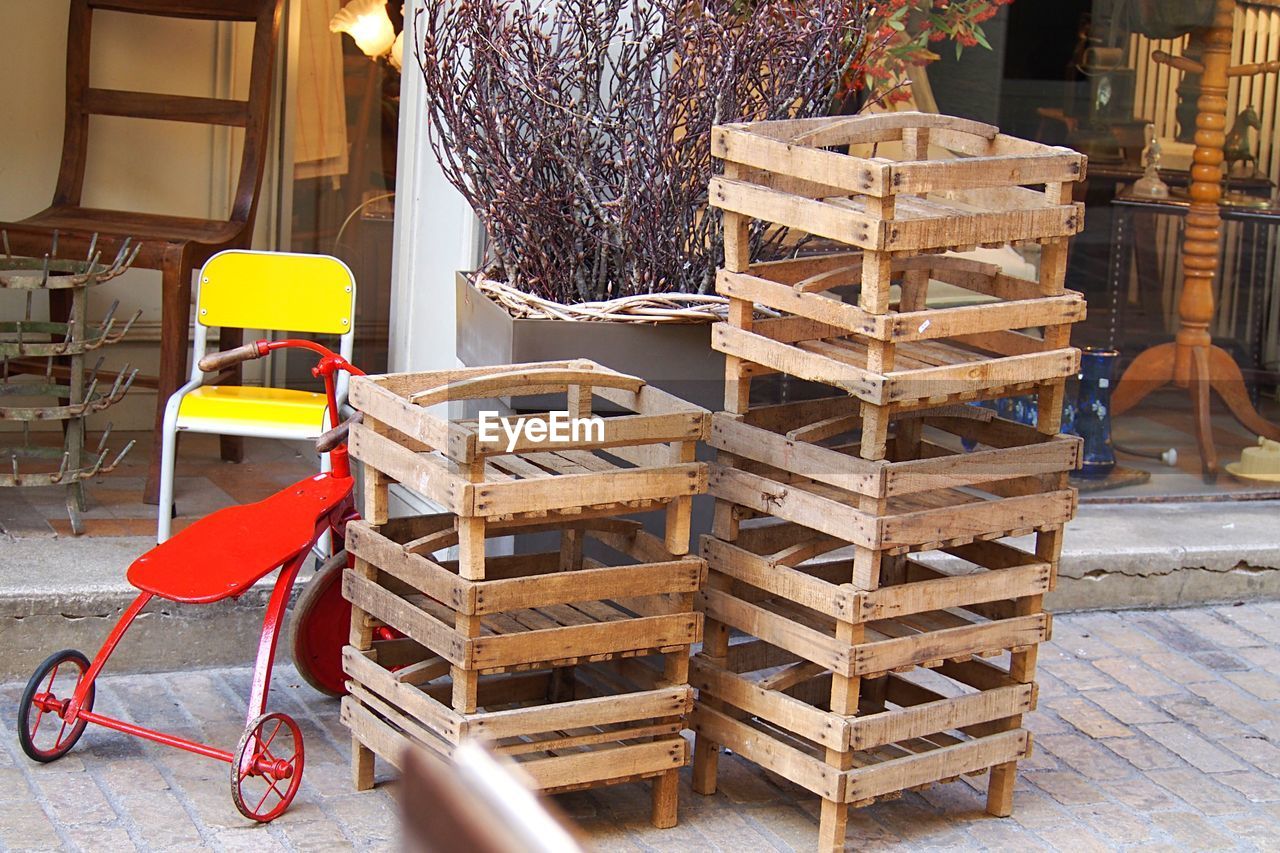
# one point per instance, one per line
(1156, 730)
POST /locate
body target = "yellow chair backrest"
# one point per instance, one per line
(276, 290)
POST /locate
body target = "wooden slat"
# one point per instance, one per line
(778, 631)
(922, 596)
(879, 657)
(418, 571)
(923, 176)
(981, 466)
(981, 518)
(730, 434)
(589, 489)
(941, 715)
(811, 723)
(768, 752)
(428, 478)
(752, 149)
(789, 359)
(676, 576)
(976, 228)
(375, 734)
(404, 617)
(865, 783)
(115, 102)
(910, 385)
(635, 761)
(648, 632)
(839, 602)
(794, 504)
(815, 217)
(929, 324)
(441, 719)
(865, 128)
(599, 711)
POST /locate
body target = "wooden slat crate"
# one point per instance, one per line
(898, 355)
(644, 460)
(783, 172)
(785, 584)
(505, 658)
(830, 687)
(611, 590)
(929, 492)
(912, 730)
(570, 728)
(939, 355)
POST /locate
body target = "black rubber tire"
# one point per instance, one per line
(26, 705)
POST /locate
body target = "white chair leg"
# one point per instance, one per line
(324, 545)
(168, 454)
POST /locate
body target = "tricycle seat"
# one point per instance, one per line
(224, 554)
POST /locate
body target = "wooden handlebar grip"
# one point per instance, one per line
(332, 438)
(215, 361)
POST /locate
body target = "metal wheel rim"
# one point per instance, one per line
(34, 711)
(256, 743)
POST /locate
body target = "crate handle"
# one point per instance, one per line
(519, 382)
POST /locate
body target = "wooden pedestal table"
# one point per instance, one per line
(1191, 360)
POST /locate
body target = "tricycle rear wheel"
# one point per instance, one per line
(45, 701)
(320, 627)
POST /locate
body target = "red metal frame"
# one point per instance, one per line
(334, 521)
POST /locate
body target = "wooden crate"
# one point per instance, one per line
(644, 460)
(571, 728)
(929, 492)
(899, 355)
(784, 172)
(782, 583)
(938, 355)
(829, 686)
(534, 611)
(910, 731)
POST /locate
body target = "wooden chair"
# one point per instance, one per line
(175, 245)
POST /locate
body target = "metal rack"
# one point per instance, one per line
(46, 361)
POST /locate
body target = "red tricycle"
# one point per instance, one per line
(222, 556)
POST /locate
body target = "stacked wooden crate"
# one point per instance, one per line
(573, 660)
(885, 626)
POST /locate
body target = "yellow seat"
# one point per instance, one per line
(273, 292)
(279, 412)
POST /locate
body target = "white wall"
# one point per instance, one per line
(436, 235)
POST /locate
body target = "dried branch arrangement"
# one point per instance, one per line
(579, 130)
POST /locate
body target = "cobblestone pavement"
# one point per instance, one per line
(1156, 730)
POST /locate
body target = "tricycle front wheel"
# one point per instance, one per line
(43, 732)
(266, 769)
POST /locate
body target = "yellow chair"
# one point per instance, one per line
(273, 291)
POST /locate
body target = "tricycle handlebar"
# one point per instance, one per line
(215, 361)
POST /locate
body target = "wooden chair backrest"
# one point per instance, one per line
(252, 114)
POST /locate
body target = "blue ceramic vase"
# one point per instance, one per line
(1093, 412)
